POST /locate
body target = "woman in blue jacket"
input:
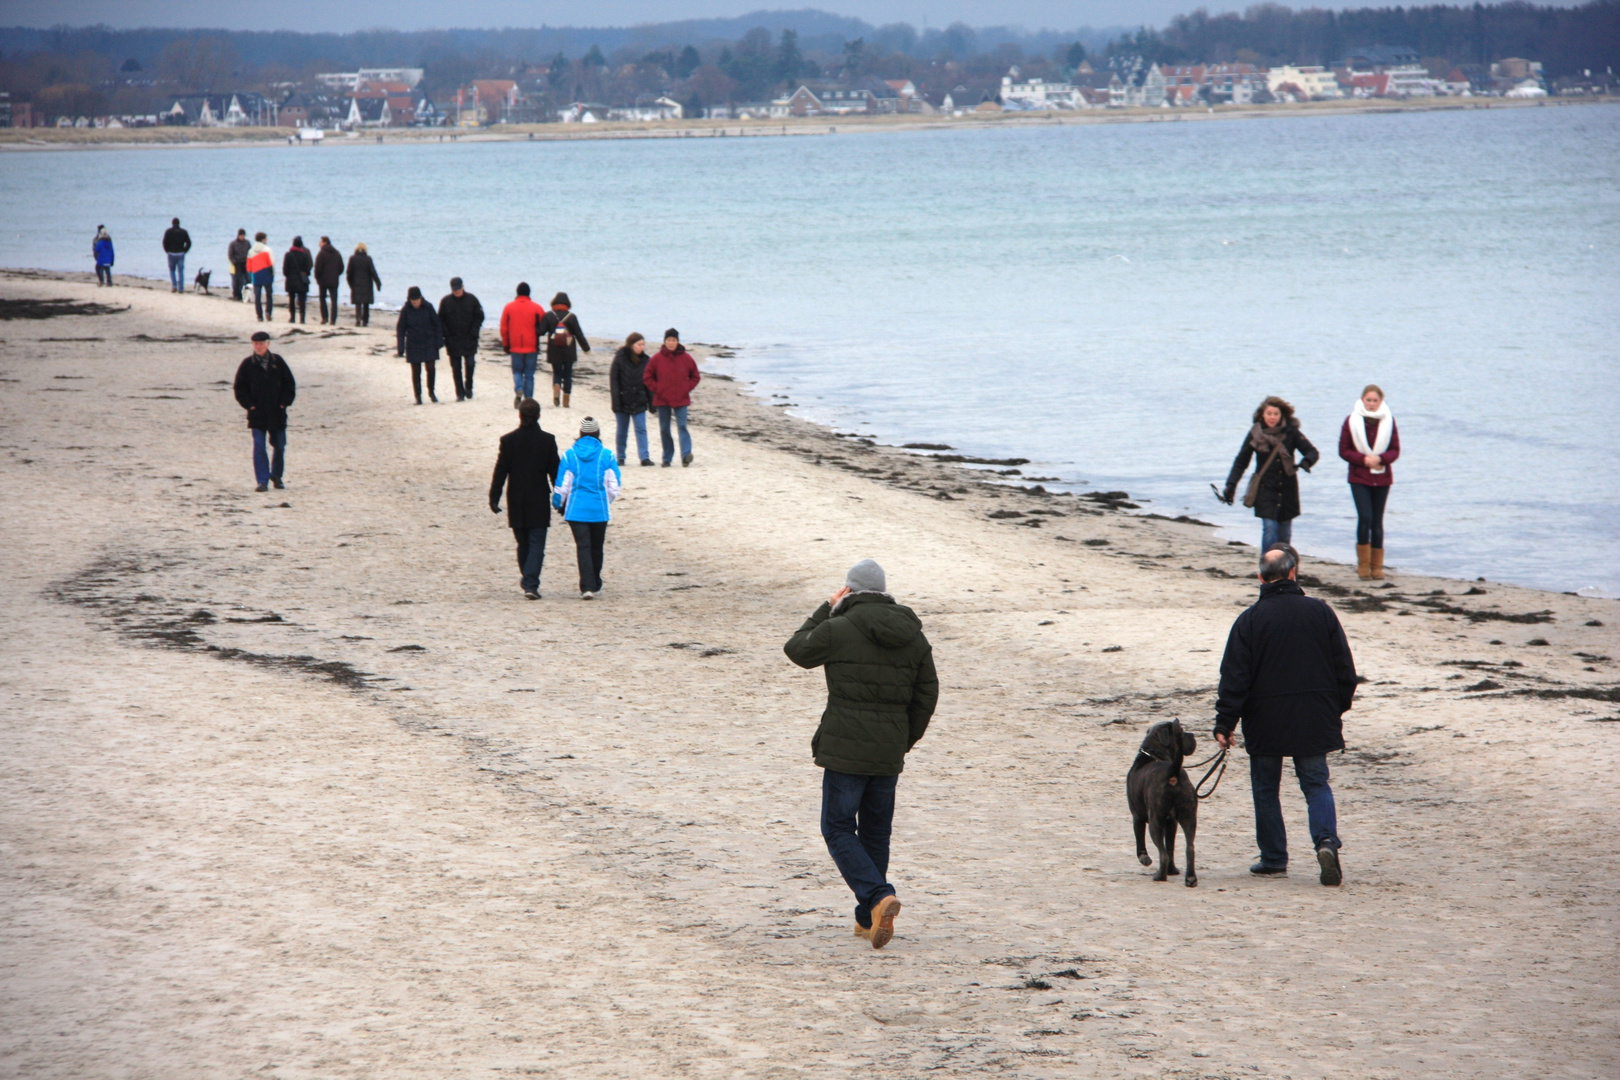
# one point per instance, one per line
(103, 250)
(587, 483)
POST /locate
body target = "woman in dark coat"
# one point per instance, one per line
(362, 275)
(561, 330)
(420, 338)
(296, 267)
(629, 393)
(1272, 443)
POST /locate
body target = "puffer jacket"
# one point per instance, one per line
(588, 481)
(103, 247)
(418, 332)
(881, 683)
(625, 385)
(1278, 497)
(261, 263)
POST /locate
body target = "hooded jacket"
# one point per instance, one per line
(265, 387)
(296, 267)
(881, 683)
(461, 317)
(261, 263)
(563, 319)
(588, 481)
(672, 376)
(625, 385)
(328, 267)
(520, 325)
(418, 333)
(103, 248)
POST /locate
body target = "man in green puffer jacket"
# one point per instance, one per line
(881, 692)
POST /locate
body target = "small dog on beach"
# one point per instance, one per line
(200, 283)
(1161, 796)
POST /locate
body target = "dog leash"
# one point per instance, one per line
(1220, 763)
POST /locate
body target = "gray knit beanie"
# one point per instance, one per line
(589, 426)
(866, 576)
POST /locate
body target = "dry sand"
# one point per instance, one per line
(297, 785)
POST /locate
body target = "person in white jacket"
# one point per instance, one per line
(588, 481)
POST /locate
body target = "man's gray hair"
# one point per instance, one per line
(1277, 563)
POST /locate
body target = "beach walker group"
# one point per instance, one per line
(1287, 675)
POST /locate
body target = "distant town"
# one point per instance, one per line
(1268, 55)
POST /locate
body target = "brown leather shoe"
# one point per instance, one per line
(883, 920)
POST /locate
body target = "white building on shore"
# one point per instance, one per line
(1313, 83)
(1038, 94)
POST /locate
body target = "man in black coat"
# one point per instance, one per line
(328, 274)
(265, 388)
(526, 468)
(461, 316)
(1289, 677)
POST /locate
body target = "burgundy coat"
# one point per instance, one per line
(1359, 473)
(671, 377)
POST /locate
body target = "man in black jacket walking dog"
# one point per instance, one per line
(881, 693)
(1288, 676)
(526, 468)
(265, 388)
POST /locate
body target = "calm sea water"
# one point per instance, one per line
(1108, 301)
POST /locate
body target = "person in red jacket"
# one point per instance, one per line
(1369, 442)
(520, 337)
(671, 375)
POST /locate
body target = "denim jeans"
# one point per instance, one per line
(177, 271)
(679, 412)
(857, 818)
(1265, 781)
(523, 367)
(266, 468)
(103, 275)
(1273, 531)
(624, 421)
(264, 300)
(531, 555)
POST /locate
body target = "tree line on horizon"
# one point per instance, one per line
(98, 70)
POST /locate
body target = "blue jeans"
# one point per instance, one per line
(857, 818)
(679, 412)
(103, 274)
(1273, 531)
(1265, 781)
(177, 270)
(523, 368)
(624, 420)
(266, 468)
(264, 300)
(531, 555)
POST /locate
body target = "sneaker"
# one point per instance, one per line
(530, 594)
(587, 596)
(1329, 859)
(883, 921)
(646, 461)
(1260, 869)
(686, 459)
(262, 487)
(277, 484)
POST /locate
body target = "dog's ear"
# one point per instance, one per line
(1188, 743)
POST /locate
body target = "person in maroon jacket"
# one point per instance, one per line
(1369, 441)
(671, 375)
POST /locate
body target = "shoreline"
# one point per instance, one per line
(67, 138)
(332, 799)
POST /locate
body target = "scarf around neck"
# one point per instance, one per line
(1358, 430)
(1265, 440)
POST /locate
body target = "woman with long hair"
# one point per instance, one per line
(363, 280)
(630, 397)
(1369, 441)
(1273, 491)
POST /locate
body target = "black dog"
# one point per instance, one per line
(1161, 795)
(200, 283)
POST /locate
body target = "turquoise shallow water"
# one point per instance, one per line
(1109, 301)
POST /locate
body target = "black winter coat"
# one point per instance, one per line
(1278, 497)
(881, 683)
(420, 336)
(363, 278)
(527, 468)
(265, 389)
(1287, 675)
(328, 267)
(461, 317)
(176, 241)
(625, 386)
(296, 267)
(565, 354)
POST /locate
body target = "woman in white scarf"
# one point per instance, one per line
(1369, 441)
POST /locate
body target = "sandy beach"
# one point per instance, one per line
(297, 785)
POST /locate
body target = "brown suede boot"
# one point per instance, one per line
(556, 396)
(1363, 561)
(1378, 564)
(565, 400)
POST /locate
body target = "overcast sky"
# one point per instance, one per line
(311, 15)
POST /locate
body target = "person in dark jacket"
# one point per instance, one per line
(564, 339)
(328, 273)
(671, 376)
(265, 388)
(420, 338)
(881, 693)
(296, 267)
(629, 394)
(176, 242)
(461, 316)
(527, 468)
(362, 276)
(1272, 443)
(236, 256)
(1288, 677)
(1370, 442)
(102, 248)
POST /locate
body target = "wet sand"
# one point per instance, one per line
(297, 785)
